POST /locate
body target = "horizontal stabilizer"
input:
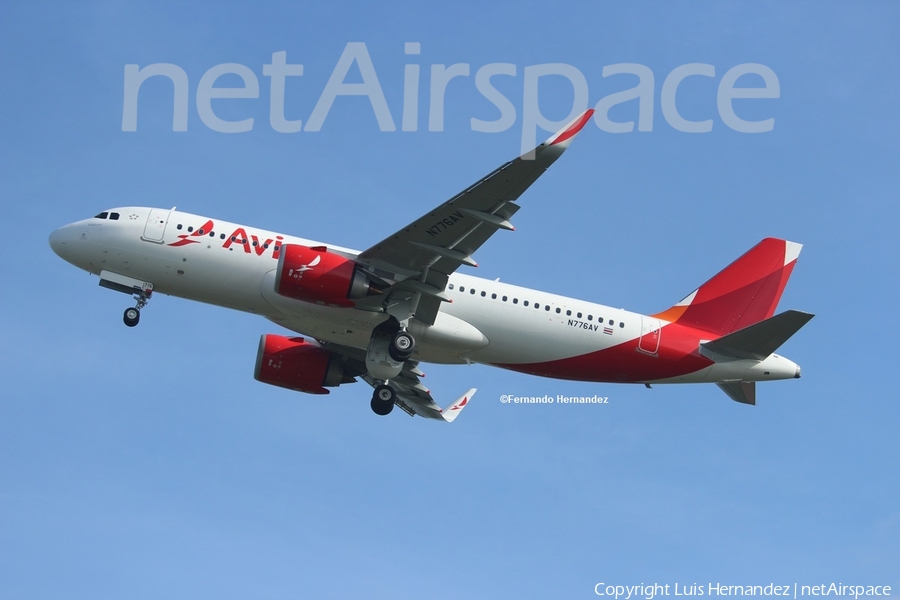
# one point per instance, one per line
(760, 340)
(740, 391)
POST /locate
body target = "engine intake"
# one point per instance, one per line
(316, 275)
(298, 364)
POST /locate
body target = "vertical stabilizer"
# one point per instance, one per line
(743, 293)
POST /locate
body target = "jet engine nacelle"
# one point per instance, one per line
(298, 364)
(316, 275)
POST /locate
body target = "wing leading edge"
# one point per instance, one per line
(422, 255)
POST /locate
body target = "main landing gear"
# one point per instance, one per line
(402, 346)
(132, 316)
(383, 400)
(388, 351)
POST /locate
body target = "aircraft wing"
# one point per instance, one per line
(422, 255)
(412, 397)
(415, 399)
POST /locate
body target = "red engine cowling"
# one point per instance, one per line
(297, 364)
(316, 275)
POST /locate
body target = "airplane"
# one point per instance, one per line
(377, 314)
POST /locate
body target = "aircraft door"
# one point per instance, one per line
(650, 334)
(155, 229)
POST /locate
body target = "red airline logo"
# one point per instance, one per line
(250, 243)
(184, 238)
(299, 271)
(461, 404)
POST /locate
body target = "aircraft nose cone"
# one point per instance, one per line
(63, 242)
(57, 241)
(797, 374)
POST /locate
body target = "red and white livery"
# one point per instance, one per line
(377, 314)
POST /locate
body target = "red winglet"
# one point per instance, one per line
(573, 128)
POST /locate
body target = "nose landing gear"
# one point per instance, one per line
(139, 290)
(132, 316)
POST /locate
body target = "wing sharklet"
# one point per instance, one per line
(565, 136)
(452, 411)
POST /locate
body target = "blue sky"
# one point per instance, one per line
(148, 463)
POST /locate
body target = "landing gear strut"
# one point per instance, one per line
(132, 316)
(383, 400)
(389, 348)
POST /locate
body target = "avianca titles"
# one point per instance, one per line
(377, 314)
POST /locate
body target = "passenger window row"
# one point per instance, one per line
(537, 305)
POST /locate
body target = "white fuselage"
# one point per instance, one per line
(487, 321)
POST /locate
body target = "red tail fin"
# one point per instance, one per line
(743, 293)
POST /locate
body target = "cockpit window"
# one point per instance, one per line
(102, 215)
(114, 216)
